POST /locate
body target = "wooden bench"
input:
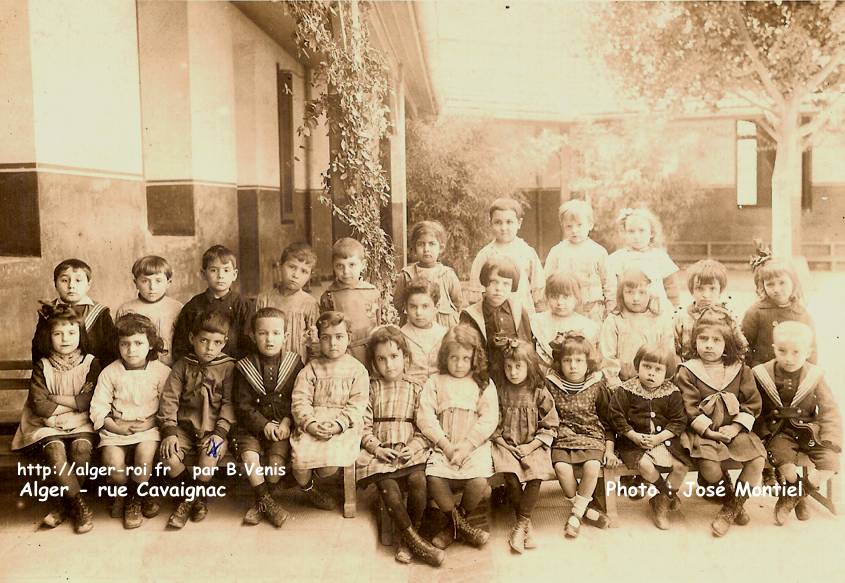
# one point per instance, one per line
(14, 387)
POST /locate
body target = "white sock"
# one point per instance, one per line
(580, 505)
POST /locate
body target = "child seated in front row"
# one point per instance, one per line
(563, 300)
(505, 221)
(499, 317)
(55, 424)
(151, 275)
(422, 332)
(358, 300)
(722, 402)
(394, 451)
(647, 413)
(428, 239)
(584, 259)
(458, 413)
(584, 436)
(124, 408)
(706, 280)
(195, 412)
(528, 424)
(262, 395)
(639, 318)
(219, 270)
(300, 308)
(328, 403)
(72, 279)
(799, 415)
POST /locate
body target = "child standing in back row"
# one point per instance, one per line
(300, 308)
(359, 300)
(428, 238)
(643, 248)
(581, 257)
(72, 279)
(505, 221)
(152, 275)
(219, 271)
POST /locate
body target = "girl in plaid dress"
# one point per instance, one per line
(394, 451)
(328, 402)
(458, 413)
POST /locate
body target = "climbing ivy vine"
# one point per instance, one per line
(351, 79)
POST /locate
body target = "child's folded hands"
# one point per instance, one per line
(461, 452)
(387, 454)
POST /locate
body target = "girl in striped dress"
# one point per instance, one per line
(458, 412)
(394, 451)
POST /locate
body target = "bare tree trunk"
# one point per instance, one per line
(786, 186)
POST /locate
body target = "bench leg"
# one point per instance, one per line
(611, 475)
(385, 524)
(350, 506)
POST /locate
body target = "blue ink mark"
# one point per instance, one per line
(214, 449)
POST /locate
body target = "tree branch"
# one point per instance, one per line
(752, 99)
(768, 127)
(819, 78)
(822, 118)
(754, 55)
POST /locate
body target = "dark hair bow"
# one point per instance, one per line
(49, 311)
(562, 337)
(505, 342)
(762, 254)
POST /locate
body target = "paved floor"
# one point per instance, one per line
(321, 546)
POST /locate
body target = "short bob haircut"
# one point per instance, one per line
(467, 338)
(631, 278)
(300, 251)
(504, 267)
(267, 312)
(576, 208)
(433, 228)
(507, 204)
(219, 253)
(563, 284)
(213, 322)
(658, 354)
(777, 268)
(575, 343)
(383, 335)
(422, 285)
(132, 323)
(523, 351)
(706, 272)
(152, 265)
(711, 320)
(71, 265)
(330, 320)
(56, 316)
(347, 247)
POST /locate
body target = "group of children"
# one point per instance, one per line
(543, 373)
